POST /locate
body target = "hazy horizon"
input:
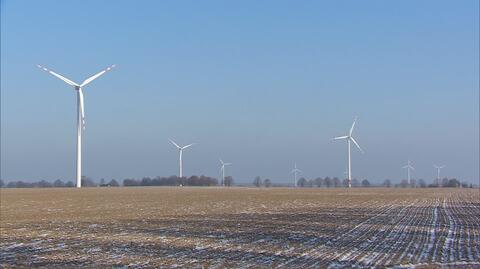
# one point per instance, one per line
(260, 84)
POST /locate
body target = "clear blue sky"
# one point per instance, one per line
(261, 84)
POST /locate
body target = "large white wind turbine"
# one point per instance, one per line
(180, 149)
(295, 171)
(223, 171)
(408, 167)
(80, 112)
(438, 172)
(350, 139)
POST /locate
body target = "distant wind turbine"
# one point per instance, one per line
(438, 172)
(350, 139)
(295, 171)
(80, 112)
(180, 149)
(223, 171)
(408, 167)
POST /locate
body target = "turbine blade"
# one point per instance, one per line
(175, 144)
(353, 125)
(187, 146)
(227, 164)
(92, 78)
(340, 137)
(66, 80)
(356, 144)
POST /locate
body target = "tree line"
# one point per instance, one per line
(128, 182)
(176, 181)
(319, 182)
(335, 182)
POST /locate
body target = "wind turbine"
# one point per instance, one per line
(180, 149)
(223, 171)
(438, 172)
(295, 171)
(408, 167)
(80, 112)
(350, 139)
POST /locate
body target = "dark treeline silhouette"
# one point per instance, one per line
(335, 182)
(176, 181)
(38, 184)
(319, 182)
(146, 181)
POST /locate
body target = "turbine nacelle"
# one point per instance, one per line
(180, 148)
(349, 137)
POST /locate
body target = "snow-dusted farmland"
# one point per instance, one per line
(240, 227)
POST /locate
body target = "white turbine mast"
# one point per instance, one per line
(80, 111)
(222, 169)
(408, 167)
(350, 139)
(295, 172)
(180, 149)
(438, 167)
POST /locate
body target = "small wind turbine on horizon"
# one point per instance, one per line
(80, 111)
(222, 169)
(350, 139)
(408, 167)
(295, 171)
(438, 172)
(180, 149)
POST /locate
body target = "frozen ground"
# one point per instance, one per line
(240, 227)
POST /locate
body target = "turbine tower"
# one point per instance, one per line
(180, 149)
(408, 167)
(350, 139)
(223, 171)
(438, 172)
(295, 171)
(80, 112)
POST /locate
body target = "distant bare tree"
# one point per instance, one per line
(355, 183)
(328, 182)
(336, 182)
(444, 182)
(387, 183)
(267, 182)
(228, 181)
(58, 183)
(365, 183)
(146, 181)
(453, 183)
(113, 183)
(319, 182)
(257, 181)
(88, 182)
(421, 183)
(404, 183)
(302, 182)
